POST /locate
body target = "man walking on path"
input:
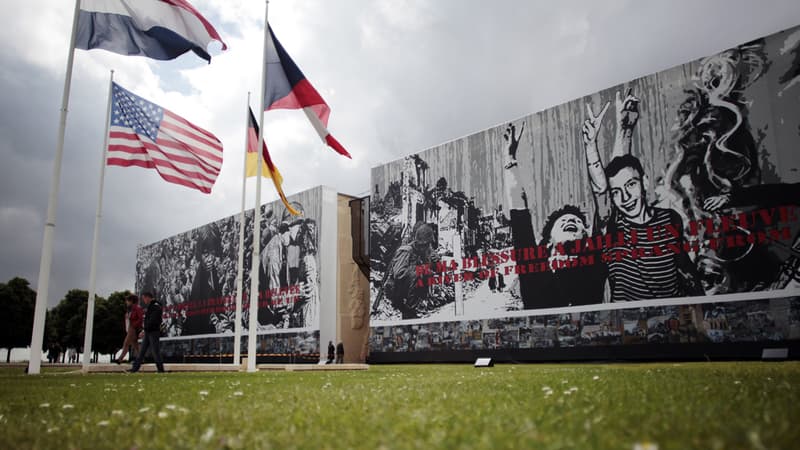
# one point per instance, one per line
(339, 353)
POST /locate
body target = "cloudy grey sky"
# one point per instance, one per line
(400, 76)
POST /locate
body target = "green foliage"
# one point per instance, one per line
(109, 330)
(69, 319)
(592, 406)
(66, 323)
(17, 302)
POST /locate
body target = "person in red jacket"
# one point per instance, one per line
(134, 319)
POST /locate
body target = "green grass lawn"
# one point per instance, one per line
(605, 406)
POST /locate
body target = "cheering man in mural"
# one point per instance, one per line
(642, 264)
(561, 282)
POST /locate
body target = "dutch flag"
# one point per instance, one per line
(158, 29)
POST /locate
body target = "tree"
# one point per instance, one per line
(69, 319)
(17, 302)
(66, 323)
(108, 331)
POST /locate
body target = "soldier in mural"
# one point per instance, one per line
(400, 286)
(558, 281)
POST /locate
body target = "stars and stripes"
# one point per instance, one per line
(144, 134)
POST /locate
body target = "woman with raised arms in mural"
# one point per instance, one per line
(644, 264)
(557, 281)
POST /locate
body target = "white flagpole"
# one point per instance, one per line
(43, 284)
(253, 314)
(87, 334)
(237, 334)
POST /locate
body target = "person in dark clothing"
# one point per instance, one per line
(152, 333)
(339, 353)
(331, 351)
(206, 284)
(52, 353)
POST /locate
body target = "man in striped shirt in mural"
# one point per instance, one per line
(649, 260)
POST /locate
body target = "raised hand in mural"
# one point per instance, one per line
(627, 110)
(597, 176)
(716, 203)
(512, 138)
(514, 191)
(627, 114)
(591, 126)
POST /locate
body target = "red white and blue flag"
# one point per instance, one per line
(144, 134)
(158, 29)
(287, 88)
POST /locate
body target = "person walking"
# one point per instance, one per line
(134, 320)
(339, 353)
(331, 351)
(152, 333)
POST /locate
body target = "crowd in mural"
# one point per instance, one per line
(194, 275)
(764, 320)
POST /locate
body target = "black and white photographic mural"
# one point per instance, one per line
(678, 188)
(194, 273)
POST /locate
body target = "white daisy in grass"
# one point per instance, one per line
(203, 393)
(103, 423)
(162, 415)
(170, 407)
(209, 433)
(67, 406)
(116, 412)
(238, 394)
(44, 405)
(645, 446)
(596, 377)
(144, 410)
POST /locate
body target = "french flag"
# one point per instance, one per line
(287, 88)
(158, 29)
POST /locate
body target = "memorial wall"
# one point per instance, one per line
(194, 274)
(657, 218)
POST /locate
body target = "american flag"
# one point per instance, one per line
(144, 134)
